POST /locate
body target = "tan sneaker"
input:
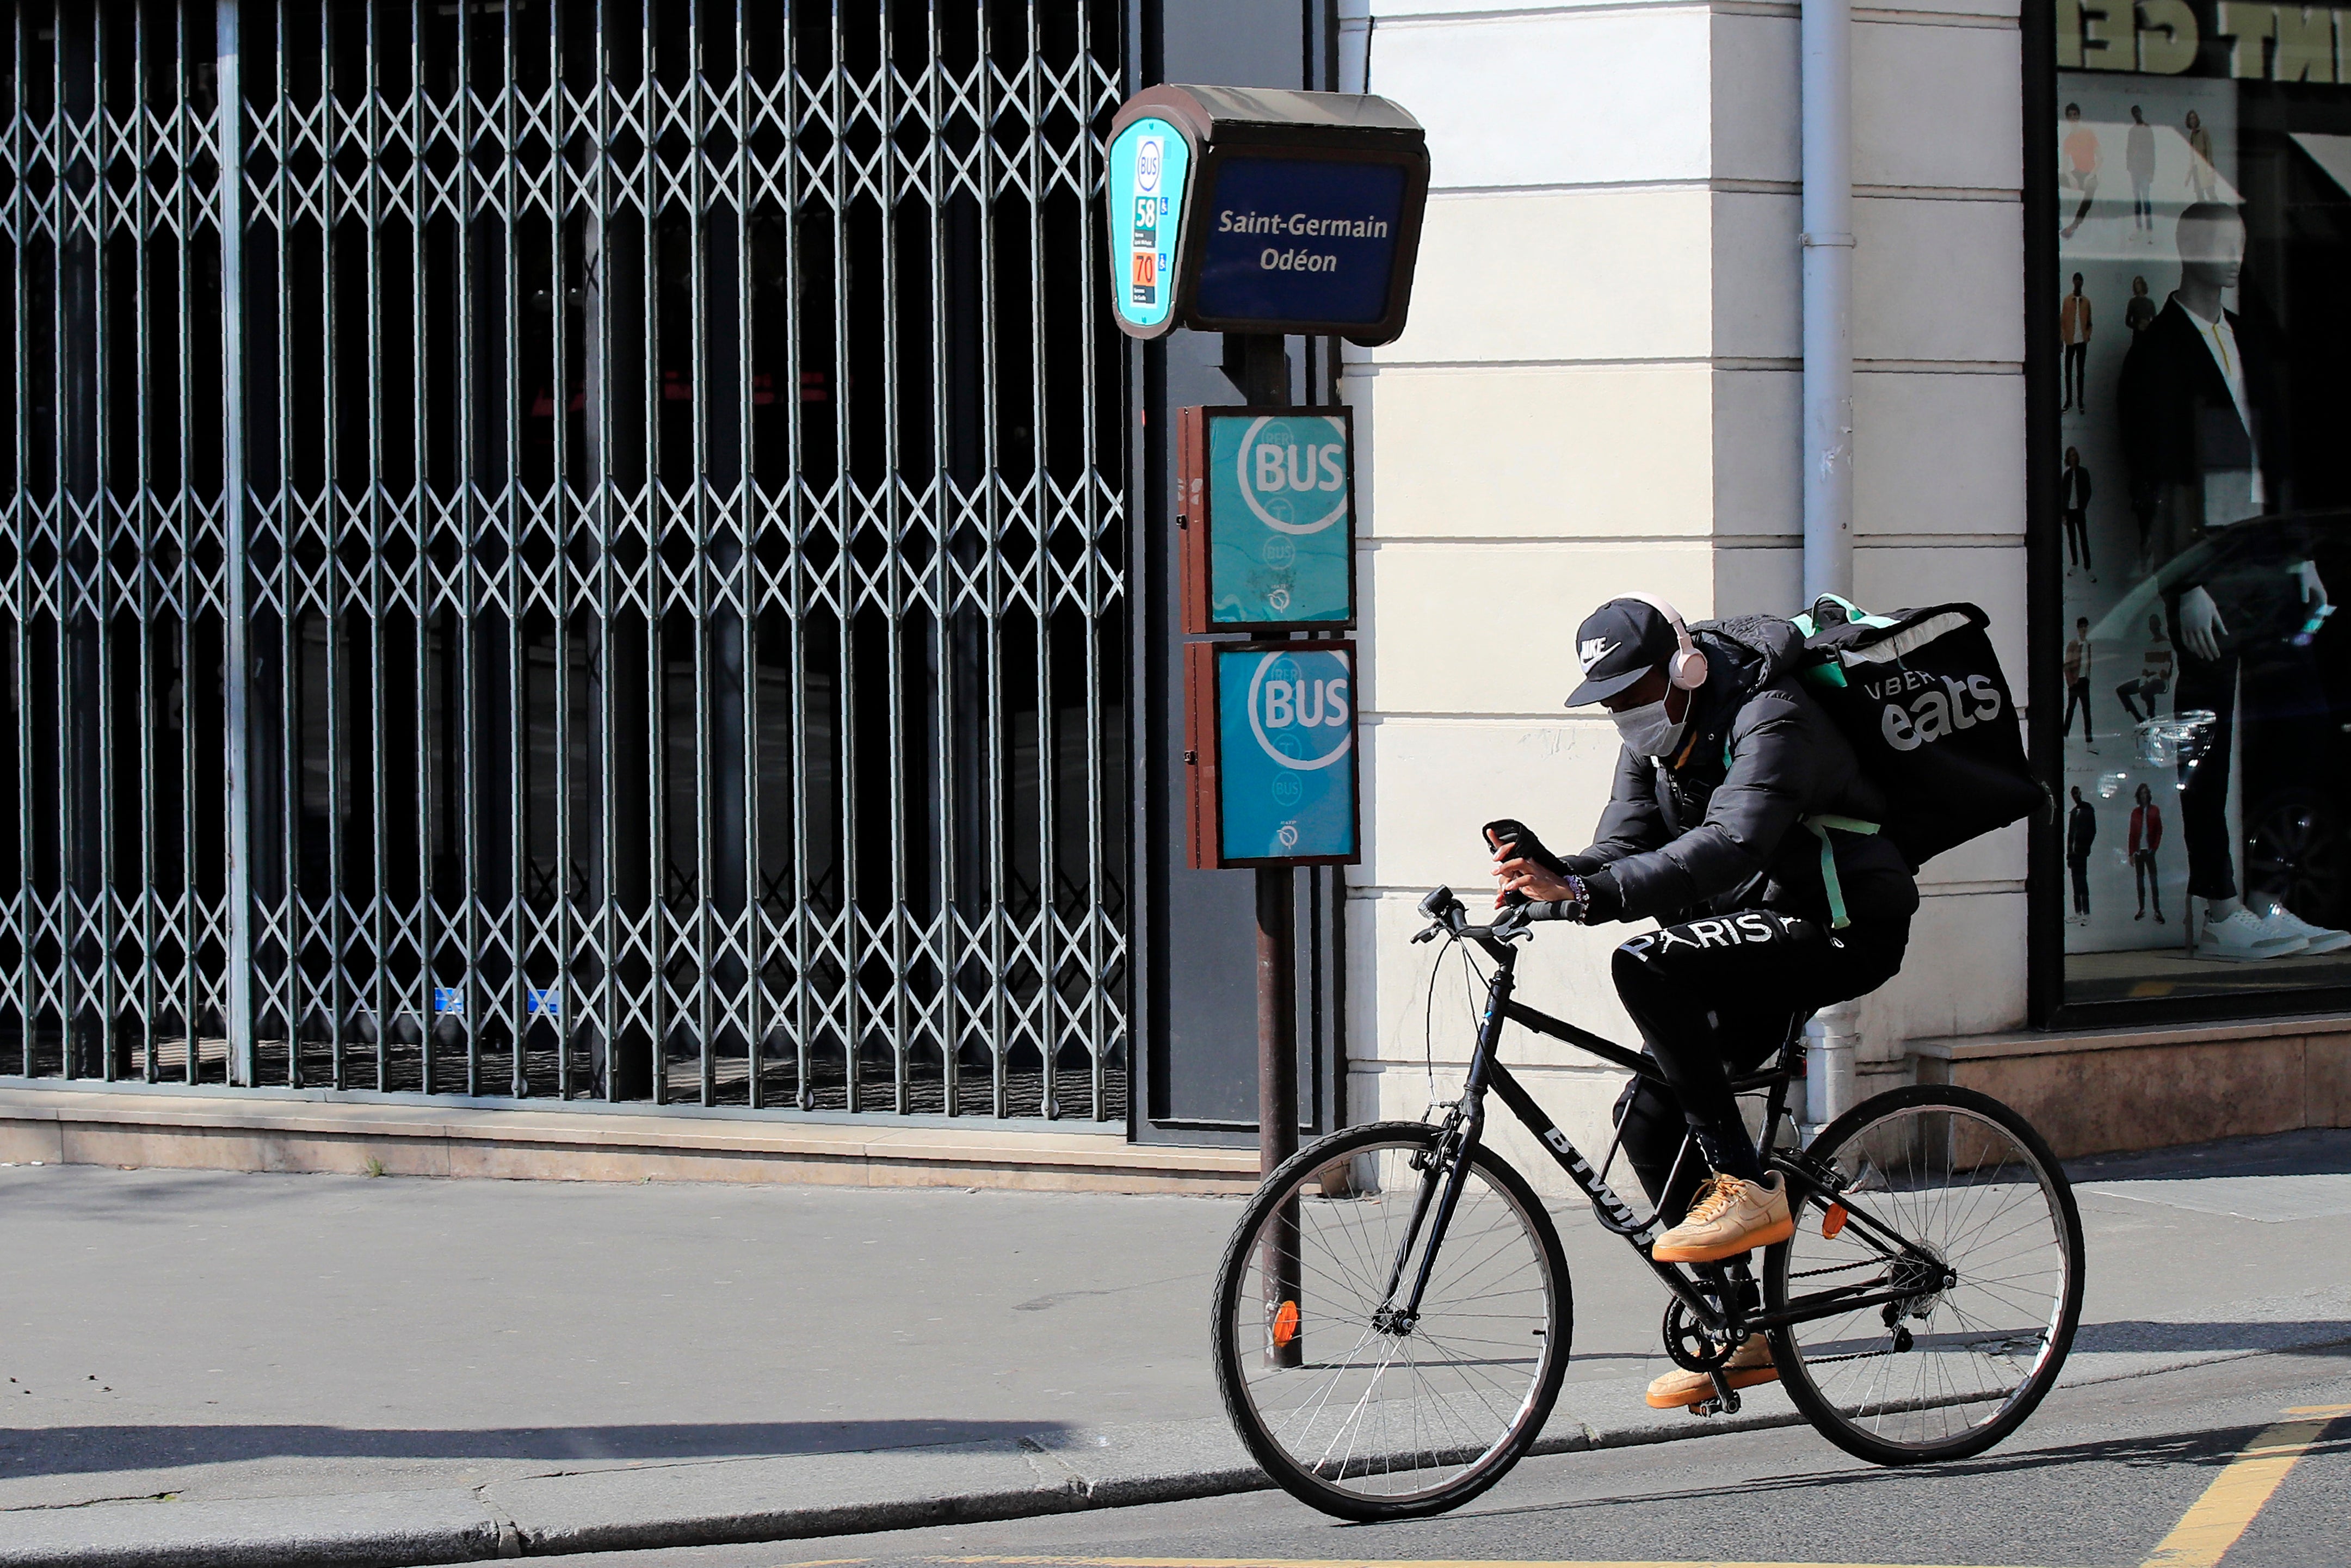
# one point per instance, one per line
(1749, 1364)
(1729, 1217)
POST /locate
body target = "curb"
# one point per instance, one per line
(657, 1507)
(395, 1529)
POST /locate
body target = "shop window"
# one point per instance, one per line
(2202, 514)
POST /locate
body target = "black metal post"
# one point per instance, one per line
(1277, 1017)
(1259, 365)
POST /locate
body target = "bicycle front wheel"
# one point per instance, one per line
(1958, 1238)
(1350, 1409)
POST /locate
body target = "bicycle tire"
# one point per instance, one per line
(1286, 1421)
(1976, 1178)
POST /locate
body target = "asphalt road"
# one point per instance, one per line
(2101, 1477)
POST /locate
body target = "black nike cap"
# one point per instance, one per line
(1617, 644)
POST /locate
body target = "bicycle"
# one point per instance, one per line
(1392, 1317)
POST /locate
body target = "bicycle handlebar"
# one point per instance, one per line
(1448, 917)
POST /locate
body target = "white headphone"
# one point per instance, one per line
(1688, 667)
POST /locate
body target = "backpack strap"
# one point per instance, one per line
(1820, 824)
(1854, 615)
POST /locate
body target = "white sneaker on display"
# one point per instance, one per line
(2243, 937)
(2315, 939)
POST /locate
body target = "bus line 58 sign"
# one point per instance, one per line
(1266, 515)
(1269, 748)
(1260, 210)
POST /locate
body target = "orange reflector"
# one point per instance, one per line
(1285, 1324)
(1832, 1221)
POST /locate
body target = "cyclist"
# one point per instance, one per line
(1741, 822)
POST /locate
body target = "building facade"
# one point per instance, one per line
(607, 558)
(1600, 390)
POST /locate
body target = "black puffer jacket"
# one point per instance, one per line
(1721, 827)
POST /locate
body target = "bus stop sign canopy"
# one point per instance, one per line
(1239, 209)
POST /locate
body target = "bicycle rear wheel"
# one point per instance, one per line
(1987, 1302)
(1347, 1411)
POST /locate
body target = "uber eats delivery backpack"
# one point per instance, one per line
(1920, 695)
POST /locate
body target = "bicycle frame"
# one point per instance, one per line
(1722, 1312)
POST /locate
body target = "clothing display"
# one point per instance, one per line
(2078, 687)
(2146, 838)
(2192, 396)
(2074, 320)
(2073, 503)
(2081, 149)
(2284, 923)
(2184, 424)
(2074, 336)
(2209, 685)
(2154, 680)
(2081, 832)
(2242, 936)
(2195, 591)
(2200, 172)
(2081, 171)
(2138, 159)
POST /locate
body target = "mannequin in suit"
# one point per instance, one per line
(2204, 441)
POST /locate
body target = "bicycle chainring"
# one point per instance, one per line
(1691, 1347)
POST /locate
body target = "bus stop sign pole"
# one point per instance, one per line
(1264, 379)
(1259, 213)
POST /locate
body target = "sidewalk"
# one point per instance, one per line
(225, 1369)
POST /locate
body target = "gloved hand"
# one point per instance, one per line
(1524, 867)
(1508, 830)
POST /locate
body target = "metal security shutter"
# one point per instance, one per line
(668, 641)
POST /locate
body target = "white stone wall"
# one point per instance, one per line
(1599, 390)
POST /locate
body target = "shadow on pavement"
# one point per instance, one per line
(2319, 1337)
(2318, 1152)
(84, 1451)
(2209, 1449)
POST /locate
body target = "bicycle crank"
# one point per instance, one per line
(1694, 1348)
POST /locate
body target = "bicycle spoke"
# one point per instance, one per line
(1362, 1404)
(1987, 1273)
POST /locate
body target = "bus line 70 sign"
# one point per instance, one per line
(1257, 210)
(1270, 743)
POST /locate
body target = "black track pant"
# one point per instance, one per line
(2209, 685)
(1715, 997)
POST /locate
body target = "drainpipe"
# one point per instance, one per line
(236, 673)
(1825, 37)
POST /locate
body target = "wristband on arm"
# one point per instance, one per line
(1573, 909)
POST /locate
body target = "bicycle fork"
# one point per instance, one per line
(1456, 1145)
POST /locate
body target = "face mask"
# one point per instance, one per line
(1647, 730)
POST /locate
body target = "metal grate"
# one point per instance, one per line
(671, 644)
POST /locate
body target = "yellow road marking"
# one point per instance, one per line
(2204, 1534)
(1383, 1563)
